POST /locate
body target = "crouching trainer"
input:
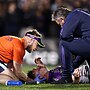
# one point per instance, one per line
(74, 39)
(12, 51)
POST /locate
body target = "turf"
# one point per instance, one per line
(46, 86)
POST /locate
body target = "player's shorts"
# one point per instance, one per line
(2, 66)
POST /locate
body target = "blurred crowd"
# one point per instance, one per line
(18, 14)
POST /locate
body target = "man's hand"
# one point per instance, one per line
(76, 76)
(38, 62)
(76, 73)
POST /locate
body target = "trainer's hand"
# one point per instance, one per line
(29, 79)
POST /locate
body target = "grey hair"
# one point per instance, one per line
(60, 12)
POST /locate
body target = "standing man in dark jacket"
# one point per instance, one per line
(75, 39)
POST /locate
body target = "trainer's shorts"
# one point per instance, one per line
(2, 66)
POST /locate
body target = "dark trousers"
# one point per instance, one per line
(79, 47)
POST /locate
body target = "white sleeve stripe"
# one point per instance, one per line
(3, 66)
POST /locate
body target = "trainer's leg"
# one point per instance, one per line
(7, 75)
(77, 62)
(66, 61)
(4, 78)
(78, 47)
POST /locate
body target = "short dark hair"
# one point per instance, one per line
(31, 75)
(61, 11)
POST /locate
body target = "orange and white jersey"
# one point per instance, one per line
(11, 48)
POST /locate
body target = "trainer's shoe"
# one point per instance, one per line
(31, 82)
(63, 81)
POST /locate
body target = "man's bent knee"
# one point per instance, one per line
(9, 74)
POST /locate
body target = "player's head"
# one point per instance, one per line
(33, 40)
(35, 75)
(60, 14)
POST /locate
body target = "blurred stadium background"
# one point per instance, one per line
(16, 15)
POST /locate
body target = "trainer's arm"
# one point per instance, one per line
(19, 73)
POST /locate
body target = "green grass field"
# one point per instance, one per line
(46, 86)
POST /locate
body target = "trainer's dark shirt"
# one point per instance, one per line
(77, 25)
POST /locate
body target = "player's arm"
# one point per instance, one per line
(42, 68)
(19, 73)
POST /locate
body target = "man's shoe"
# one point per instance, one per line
(63, 81)
(31, 82)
